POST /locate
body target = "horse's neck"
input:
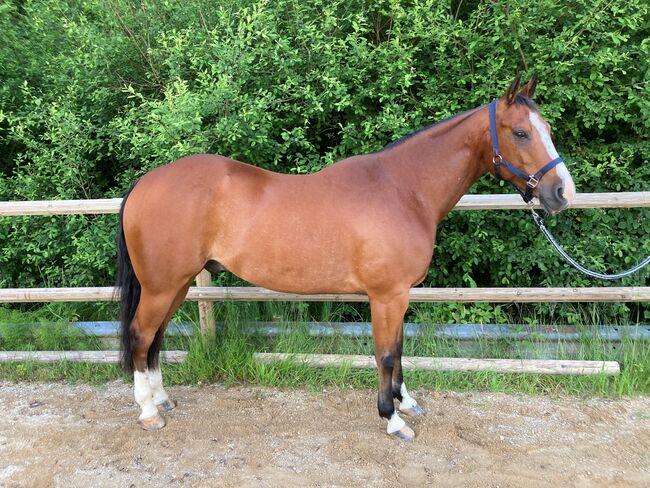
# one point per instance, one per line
(439, 164)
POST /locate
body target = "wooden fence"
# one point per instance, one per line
(467, 202)
(205, 294)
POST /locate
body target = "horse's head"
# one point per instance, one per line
(523, 152)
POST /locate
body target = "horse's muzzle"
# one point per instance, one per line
(552, 197)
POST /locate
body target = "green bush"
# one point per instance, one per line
(93, 94)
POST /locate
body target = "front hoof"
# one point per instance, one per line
(405, 434)
(155, 422)
(414, 411)
(168, 405)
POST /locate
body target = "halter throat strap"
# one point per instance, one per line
(530, 181)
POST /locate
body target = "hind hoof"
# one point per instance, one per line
(168, 405)
(404, 434)
(414, 411)
(155, 422)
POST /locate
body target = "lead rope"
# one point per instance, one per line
(540, 223)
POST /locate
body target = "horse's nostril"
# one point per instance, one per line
(560, 192)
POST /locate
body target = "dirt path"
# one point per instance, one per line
(69, 436)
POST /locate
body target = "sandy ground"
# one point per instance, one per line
(85, 436)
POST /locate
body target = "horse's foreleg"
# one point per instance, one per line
(407, 404)
(387, 319)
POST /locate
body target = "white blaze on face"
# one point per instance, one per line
(562, 171)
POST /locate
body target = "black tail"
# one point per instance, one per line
(129, 287)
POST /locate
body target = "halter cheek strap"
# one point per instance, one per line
(531, 181)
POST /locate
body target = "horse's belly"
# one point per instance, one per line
(296, 271)
(340, 260)
(292, 254)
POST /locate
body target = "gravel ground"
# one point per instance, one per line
(80, 436)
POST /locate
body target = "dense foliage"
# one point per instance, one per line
(94, 93)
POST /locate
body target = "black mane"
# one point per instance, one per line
(408, 136)
(519, 100)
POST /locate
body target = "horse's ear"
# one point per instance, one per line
(513, 89)
(529, 88)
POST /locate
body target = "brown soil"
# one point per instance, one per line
(84, 436)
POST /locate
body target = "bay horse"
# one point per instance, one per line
(366, 224)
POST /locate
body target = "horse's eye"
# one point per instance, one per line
(521, 134)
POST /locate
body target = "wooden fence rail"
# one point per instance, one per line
(418, 295)
(111, 357)
(536, 366)
(467, 202)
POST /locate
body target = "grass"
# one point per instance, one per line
(230, 358)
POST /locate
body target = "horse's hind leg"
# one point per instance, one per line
(160, 397)
(148, 321)
(387, 318)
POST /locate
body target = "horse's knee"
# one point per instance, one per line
(386, 360)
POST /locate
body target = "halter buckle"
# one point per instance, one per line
(532, 182)
(497, 161)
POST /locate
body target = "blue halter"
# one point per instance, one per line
(531, 181)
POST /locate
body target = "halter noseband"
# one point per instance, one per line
(530, 180)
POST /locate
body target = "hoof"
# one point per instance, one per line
(405, 434)
(168, 405)
(155, 422)
(414, 411)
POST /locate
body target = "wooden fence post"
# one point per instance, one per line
(206, 311)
